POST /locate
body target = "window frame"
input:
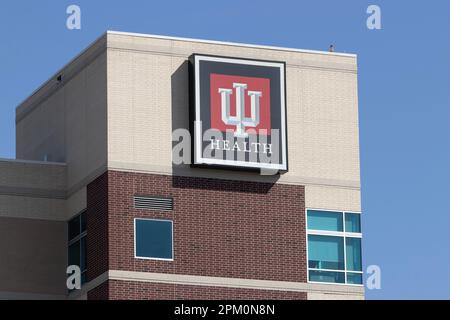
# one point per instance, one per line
(342, 234)
(150, 258)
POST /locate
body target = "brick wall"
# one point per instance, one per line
(222, 228)
(101, 292)
(97, 227)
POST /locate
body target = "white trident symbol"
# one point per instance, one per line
(240, 121)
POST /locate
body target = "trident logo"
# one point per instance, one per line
(240, 121)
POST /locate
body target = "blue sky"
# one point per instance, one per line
(404, 78)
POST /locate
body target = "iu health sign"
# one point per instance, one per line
(238, 112)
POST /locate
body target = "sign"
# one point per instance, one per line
(238, 112)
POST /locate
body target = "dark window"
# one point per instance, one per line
(74, 227)
(154, 239)
(77, 244)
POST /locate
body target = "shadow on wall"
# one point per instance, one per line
(221, 185)
(182, 174)
(180, 108)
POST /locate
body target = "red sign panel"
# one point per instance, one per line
(260, 85)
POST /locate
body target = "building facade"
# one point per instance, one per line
(98, 184)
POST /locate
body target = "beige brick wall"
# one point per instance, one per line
(333, 198)
(148, 98)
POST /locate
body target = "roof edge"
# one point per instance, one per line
(102, 37)
(21, 161)
(235, 44)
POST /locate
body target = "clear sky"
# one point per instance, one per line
(404, 85)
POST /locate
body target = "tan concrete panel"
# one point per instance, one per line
(33, 256)
(333, 296)
(32, 208)
(23, 174)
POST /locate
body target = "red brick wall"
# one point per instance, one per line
(221, 228)
(101, 292)
(97, 227)
(124, 290)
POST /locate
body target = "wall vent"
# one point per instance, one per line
(153, 203)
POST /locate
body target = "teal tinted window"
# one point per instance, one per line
(352, 222)
(353, 253)
(334, 247)
(325, 252)
(325, 220)
(154, 239)
(326, 276)
(354, 278)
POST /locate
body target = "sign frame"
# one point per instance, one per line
(195, 114)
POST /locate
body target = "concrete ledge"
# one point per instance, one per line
(29, 296)
(336, 291)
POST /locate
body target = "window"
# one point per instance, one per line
(334, 247)
(77, 244)
(153, 239)
(326, 252)
(353, 222)
(324, 220)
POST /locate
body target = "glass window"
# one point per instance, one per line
(74, 254)
(334, 247)
(326, 252)
(352, 222)
(77, 244)
(353, 247)
(83, 222)
(83, 263)
(327, 276)
(324, 220)
(74, 228)
(154, 239)
(354, 278)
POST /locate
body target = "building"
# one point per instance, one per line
(98, 183)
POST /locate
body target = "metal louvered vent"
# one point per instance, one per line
(153, 203)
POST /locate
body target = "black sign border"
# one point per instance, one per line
(193, 115)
